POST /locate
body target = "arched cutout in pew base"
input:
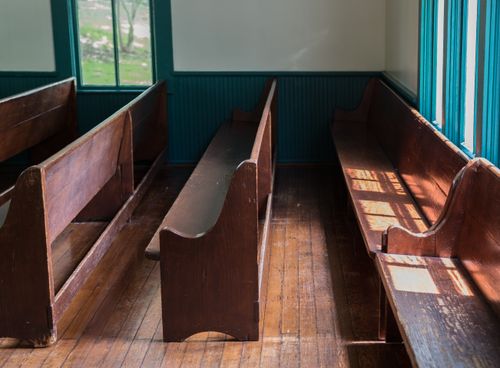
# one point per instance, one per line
(210, 336)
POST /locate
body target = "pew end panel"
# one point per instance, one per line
(439, 239)
(214, 266)
(26, 292)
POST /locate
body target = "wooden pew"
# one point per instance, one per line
(40, 121)
(442, 285)
(212, 242)
(65, 212)
(397, 168)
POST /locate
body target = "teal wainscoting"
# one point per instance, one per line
(200, 103)
(10, 85)
(94, 107)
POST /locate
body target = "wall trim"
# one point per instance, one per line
(401, 89)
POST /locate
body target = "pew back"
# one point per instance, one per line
(74, 176)
(149, 116)
(423, 157)
(44, 114)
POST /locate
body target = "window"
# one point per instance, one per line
(439, 117)
(468, 130)
(460, 73)
(114, 42)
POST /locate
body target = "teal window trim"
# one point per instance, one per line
(73, 20)
(490, 130)
(454, 109)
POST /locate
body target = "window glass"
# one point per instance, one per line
(95, 25)
(470, 79)
(114, 42)
(440, 55)
(134, 42)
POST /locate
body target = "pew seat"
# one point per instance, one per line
(397, 168)
(441, 314)
(441, 291)
(378, 194)
(211, 250)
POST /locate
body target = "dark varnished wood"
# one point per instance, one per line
(48, 197)
(45, 200)
(43, 119)
(208, 244)
(443, 320)
(398, 169)
(39, 122)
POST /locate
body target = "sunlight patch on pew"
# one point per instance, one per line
(361, 174)
(367, 186)
(413, 280)
(405, 260)
(459, 283)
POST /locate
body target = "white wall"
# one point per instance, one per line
(402, 37)
(26, 38)
(279, 35)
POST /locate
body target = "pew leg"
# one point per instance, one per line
(388, 328)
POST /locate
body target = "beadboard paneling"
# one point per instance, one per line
(200, 103)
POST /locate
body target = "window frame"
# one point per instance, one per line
(117, 87)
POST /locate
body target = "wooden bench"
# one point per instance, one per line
(442, 285)
(397, 168)
(212, 242)
(65, 212)
(41, 122)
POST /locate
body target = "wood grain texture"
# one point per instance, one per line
(43, 119)
(443, 320)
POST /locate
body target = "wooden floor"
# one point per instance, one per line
(320, 309)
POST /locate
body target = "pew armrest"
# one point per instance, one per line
(441, 238)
